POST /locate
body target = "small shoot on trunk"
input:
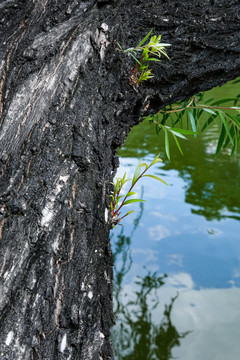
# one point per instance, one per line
(118, 200)
(143, 54)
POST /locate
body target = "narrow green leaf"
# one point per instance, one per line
(153, 59)
(200, 112)
(143, 67)
(132, 201)
(208, 122)
(192, 120)
(156, 178)
(119, 46)
(237, 100)
(236, 141)
(172, 121)
(167, 145)
(195, 114)
(232, 132)
(222, 101)
(226, 125)
(120, 196)
(209, 111)
(136, 173)
(129, 50)
(174, 133)
(183, 131)
(179, 118)
(234, 108)
(165, 117)
(155, 160)
(235, 119)
(145, 39)
(207, 101)
(159, 117)
(221, 139)
(128, 213)
(135, 58)
(158, 128)
(144, 164)
(130, 193)
(178, 145)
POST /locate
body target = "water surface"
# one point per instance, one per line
(177, 258)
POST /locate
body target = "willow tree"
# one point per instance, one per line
(66, 105)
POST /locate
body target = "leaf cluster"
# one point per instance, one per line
(152, 51)
(118, 200)
(183, 118)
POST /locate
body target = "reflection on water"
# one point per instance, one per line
(137, 335)
(211, 184)
(189, 231)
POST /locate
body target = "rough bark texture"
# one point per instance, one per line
(66, 106)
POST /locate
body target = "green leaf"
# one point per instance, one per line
(164, 119)
(145, 75)
(209, 111)
(174, 133)
(232, 132)
(207, 101)
(156, 178)
(130, 193)
(183, 131)
(149, 118)
(145, 39)
(192, 120)
(208, 122)
(144, 164)
(135, 58)
(132, 201)
(136, 173)
(128, 213)
(199, 112)
(143, 67)
(221, 139)
(178, 145)
(119, 45)
(235, 119)
(172, 121)
(236, 138)
(167, 145)
(226, 125)
(120, 196)
(153, 59)
(223, 101)
(234, 108)
(155, 160)
(129, 50)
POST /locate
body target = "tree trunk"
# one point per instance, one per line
(66, 105)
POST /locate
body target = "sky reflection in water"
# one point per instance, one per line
(190, 231)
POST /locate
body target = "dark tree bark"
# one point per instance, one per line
(66, 105)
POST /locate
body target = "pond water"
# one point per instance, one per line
(177, 258)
